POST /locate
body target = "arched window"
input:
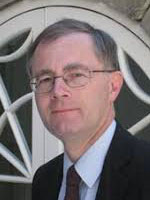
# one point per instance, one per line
(24, 142)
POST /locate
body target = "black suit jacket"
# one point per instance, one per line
(125, 174)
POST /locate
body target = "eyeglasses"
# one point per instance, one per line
(74, 78)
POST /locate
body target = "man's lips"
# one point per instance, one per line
(57, 111)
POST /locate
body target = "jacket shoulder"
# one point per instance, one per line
(139, 151)
(47, 180)
(49, 168)
(126, 147)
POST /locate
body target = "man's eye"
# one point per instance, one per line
(45, 80)
(77, 75)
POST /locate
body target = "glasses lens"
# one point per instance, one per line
(43, 84)
(77, 77)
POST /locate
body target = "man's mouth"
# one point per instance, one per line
(57, 111)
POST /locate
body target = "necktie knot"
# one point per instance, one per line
(73, 179)
(72, 184)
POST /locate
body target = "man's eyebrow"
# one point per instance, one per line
(75, 66)
(43, 72)
(66, 68)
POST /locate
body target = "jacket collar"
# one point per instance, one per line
(114, 181)
(54, 179)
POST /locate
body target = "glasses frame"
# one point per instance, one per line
(33, 82)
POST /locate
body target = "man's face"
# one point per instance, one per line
(67, 112)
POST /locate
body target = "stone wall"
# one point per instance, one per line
(136, 10)
(5, 3)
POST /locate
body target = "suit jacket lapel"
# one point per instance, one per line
(54, 179)
(113, 179)
(56, 185)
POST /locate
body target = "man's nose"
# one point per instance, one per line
(60, 89)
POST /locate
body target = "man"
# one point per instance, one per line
(75, 75)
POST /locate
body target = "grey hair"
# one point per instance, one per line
(104, 45)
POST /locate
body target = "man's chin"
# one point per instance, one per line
(63, 131)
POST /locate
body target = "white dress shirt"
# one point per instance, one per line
(89, 166)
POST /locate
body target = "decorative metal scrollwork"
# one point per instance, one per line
(9, 116)
(10, 109)
(21, 51)
(135, 88)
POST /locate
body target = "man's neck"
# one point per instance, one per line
(76, 148)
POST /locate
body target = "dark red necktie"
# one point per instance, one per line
(72, 184)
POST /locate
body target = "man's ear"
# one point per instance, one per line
(116, 84)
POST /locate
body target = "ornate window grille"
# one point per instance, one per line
(32, 18)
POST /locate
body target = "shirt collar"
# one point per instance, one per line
(93, 159)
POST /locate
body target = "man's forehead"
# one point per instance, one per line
(82, 51)
(78, 36)
(66, 68)
(70, 41)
